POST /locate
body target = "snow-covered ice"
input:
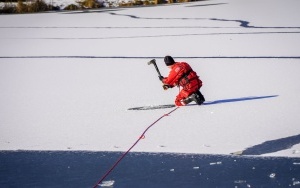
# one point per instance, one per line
(68, 78)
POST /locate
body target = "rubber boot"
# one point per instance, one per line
(187, 100)
(200, 97)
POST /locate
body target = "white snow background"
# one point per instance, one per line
(68, 78)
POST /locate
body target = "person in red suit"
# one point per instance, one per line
(182, 75)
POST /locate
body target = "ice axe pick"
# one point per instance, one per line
(154, 63)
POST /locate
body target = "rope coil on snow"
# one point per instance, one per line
(122, 156)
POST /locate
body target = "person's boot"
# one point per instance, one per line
(187, 100)
(192, 97)
(196, 98)
(200, 97)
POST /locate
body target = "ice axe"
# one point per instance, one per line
(154, 63)
(159, 75)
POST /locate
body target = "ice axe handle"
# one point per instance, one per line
(154, 63)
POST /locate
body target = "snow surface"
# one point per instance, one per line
(68, 78)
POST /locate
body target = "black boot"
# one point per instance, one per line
(201, 97)
(198, 97)
(192, 97)
(187, 100)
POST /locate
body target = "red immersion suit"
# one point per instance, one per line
(181, 74)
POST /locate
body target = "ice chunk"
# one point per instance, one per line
(296, 182)
(109, 183)
(240, 181)
(272, 175)
(215, 163)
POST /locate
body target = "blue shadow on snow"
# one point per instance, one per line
(238, 99)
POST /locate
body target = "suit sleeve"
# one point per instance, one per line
(173, 76)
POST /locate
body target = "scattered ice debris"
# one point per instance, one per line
(196, 167)
(272, 175)
(172, 170)
(107, 183)
(294, 163)
(296, 182)
(240, 181)
(216, 163)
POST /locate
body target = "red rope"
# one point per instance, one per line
(141, 137)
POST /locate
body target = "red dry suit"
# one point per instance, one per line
(181, 74)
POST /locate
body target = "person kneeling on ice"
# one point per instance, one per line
(181, 74)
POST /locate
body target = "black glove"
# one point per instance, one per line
(160, 78)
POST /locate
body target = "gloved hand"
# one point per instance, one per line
(165, 86)
(160, 78)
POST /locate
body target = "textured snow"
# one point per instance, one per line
(67, 79)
